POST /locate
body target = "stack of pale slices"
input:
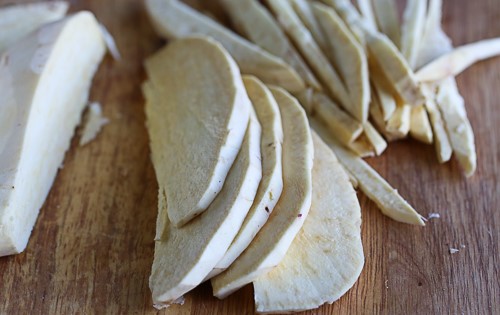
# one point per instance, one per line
(47, 62)
(247, 191)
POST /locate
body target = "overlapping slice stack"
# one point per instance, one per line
(47, 63)
(291, 224)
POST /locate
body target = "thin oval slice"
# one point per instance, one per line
(196, 122)
(271, 185)
(271, 243)
(187, 254)
(174, 19)
(326, 257)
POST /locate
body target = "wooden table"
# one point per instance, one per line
(92, 247)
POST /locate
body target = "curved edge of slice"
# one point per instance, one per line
(174, 116)
(188, 254)
(174, 19)
(271, 243)
(271, 185)
(371, 183)
(326, 257)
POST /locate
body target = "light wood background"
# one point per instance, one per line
(92, 247)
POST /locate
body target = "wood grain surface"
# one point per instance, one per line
(92, 247)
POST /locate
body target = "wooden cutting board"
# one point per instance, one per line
(92, 247)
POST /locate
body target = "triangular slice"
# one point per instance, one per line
(271, 243)
(187, 254)
(44, 85)
(174, 19)
(197, 122)
(326, 257)
(256, 23)
(271, 185)
(17, 21)
(349, 57)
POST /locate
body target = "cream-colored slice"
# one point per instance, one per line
(382, 51)
(459, 135)
(94, 122)
(303, 9)
(326, 257)
(399, 123)
(457, 124)
(197, 122)
(45, 80)
(187, 254)
(459, 59)
(382, 95)
(386, 14)
(17, 21)
(345, 128)
(174, 19)
(299, 34)
(441, 138)
(371, 183)
(374, 138)
(272, 242)
(366, 9)
(420, 126)
(349, 58)
(258, 25)
(271, 185)
(435, 43)
(412, 30)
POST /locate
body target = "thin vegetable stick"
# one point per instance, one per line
(459, 59)
(399, 123)
(441, 139)
(259, 26)
(420, 126)
(451, 104)
(349, 57)
(435, 43)
(304, 11)
(345, 128)
(386, 15)
(371, 183)
(381, 50)
(376, 140)
(292, 25)
(366, 9)
(412, 30)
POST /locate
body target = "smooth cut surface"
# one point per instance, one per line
(187, 254)
(326, 257)
(44, 86)
(271, 243)
(197, 116)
